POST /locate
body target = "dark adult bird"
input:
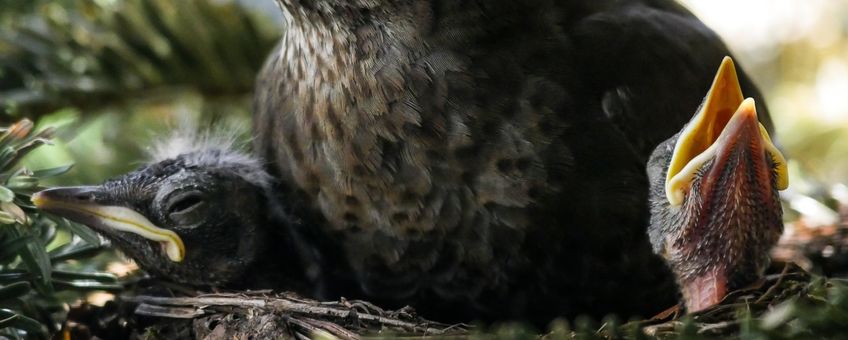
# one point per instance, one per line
(474, 159)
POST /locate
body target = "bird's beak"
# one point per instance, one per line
(724, 125)
(81, 204)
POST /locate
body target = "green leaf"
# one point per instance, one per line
(6, 195)
(10, 248)
(14, 276)
(52, 172)
(71, 276)
(6, 321)
(31, 326)
(46, 231)
(5, 155)
(34, 255)
(84, 232)
(86, 285)
(15, 211)
(23, 150)
(14, 290)
(6, 218)
(22, 183)
(74, 252)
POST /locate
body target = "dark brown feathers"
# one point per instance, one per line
(481, 159)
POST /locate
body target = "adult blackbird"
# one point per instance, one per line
(474, 159)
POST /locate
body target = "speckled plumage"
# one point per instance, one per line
(481, 159)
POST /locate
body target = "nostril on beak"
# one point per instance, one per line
(83, 196)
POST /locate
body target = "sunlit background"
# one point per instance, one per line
(797, 52)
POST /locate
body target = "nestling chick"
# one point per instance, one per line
(715, 210)
(198, 214)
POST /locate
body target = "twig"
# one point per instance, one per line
(719, 326)
(286, 305)
(769, 292)
(313, 331)
(335, 329)
(169, 312)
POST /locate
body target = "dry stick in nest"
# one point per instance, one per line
(309, 315)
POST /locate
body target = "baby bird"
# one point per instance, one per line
(199, 213)
(715, 210)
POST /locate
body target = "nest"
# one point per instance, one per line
(267, 315)
(246, 315)
(726, 318)
(788, 302)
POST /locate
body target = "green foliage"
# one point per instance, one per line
(29, 280)
(820, 312)
(111, 141)
(91, 52)
(108, 74)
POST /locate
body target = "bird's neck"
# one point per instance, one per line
(335, 18)
(332, 66)
(330, 7)
(286, 260)
(314, 41)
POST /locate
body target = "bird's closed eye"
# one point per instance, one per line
(182, 208)
(185, 204)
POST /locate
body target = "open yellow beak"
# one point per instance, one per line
(62, 201)
(700, 140)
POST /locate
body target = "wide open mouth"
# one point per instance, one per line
(724, 122)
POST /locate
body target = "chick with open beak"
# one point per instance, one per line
(715, 209)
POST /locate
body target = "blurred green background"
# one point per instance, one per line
(115, 75)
